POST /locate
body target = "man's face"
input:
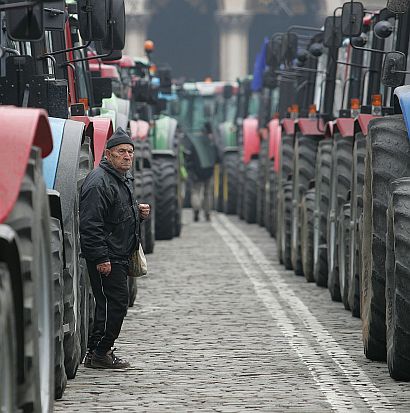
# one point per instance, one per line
(120, 157)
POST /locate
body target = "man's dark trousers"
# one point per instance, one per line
(111, 298)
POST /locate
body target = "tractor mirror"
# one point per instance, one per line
(352, 18)
(398, 6)
(26, 24)
(112, 54)
(54, 15)
(332, 36)
(102, 89)
(394, 68)
(165, 79)
(92, 19)
(274, 50)
(289, 46)
(115, 39)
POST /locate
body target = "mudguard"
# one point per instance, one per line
(310, 127)
(227, 135)
(361, 123)
(251, 140)
(288, 126)
(67, 171)
(20, 130)
(103, 129)
(329, 128)
(139, 130)
(54, 202)
(163, 135)
(403, 94)
(123, 113)
(275, 136)
(51, 162)
(344, 126)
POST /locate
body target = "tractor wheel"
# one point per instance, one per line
(241, 190)
(322, 196)
(343, 252)
(165, 174)
(60, 376)
(132, 291)
(303, 172)
(260, 193)
(398, 280)
(340, 178)
(287, 226)
(387, 155)
(218, 188)
(230, 182)
(356, 210)
(148, 197)
(30, 220)
(308, 206)
(249, 197)
(285, 172)
(270, 200)
(8, 345)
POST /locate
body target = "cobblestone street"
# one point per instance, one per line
(220, 326)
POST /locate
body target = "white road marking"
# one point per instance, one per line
(244, 249)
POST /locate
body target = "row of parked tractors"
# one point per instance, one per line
(64, 87)
(328, 174)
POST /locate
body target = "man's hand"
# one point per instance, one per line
(144, 210)
(104, 268)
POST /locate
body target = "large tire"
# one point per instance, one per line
(287, 226)
(387, 159)
(303, 172)
(270, 201)
(263, 162)
(356, 209)
(322, 196)
(60, 376)
(30, 220)
(218, 199)
(8, 345)
(250, 189)
(240, 209)
(308, 207)
(148, 197)
(398, 280)
(343, 253)
(285, 172)
(166, 200)
(230, 182)
(341, 176)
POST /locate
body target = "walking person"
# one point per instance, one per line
(201, 157)
(109, 225)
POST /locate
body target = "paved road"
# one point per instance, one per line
(220, 326)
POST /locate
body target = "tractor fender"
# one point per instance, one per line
(288, 125)
(20, 129)
(163, 134)
(159, 153)
(103, 129)
(51, 162)
(89, 129)
(361, 123)
(403, 94)
(227, 135)
(66, 176)
(123, 107)
(9, 254)
(231, 149)
(344, 126)
(139, 130)
(310, 127)
(251, 140)
(275, 137)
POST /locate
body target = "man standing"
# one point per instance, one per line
(109, 222)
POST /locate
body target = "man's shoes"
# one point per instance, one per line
(108, 361)
(196, 216)
(208, 217)
(87, 358)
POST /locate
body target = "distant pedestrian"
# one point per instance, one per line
(201, 157)
(109, 222)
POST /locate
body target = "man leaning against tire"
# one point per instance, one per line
(109, 220)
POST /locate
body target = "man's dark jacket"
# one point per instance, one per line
(108, 215)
